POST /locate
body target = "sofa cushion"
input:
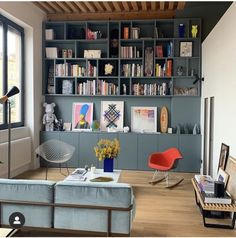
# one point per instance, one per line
(28, 190)
(96, 194)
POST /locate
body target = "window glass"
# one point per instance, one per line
(14, 71)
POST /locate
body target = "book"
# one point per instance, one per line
(159, 51)
(205, 183)
(210, 198)
(126, 32)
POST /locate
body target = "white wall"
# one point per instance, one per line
(30, 17)
(219, 71)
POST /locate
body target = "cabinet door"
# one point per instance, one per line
(87, 141)
(45, 136)
(166, 141)
(147, 144)
(128, 158)
(190, 147)
(71, 138)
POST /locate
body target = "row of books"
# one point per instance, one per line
(129, 52)
(132, 70)
(164, 50)
(87, 88)
(134, 33)
(105, 88)
(69, 69)
(150, 89)
(206, 187)
(163, 70)
(92, 70)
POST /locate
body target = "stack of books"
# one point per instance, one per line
(206, 187)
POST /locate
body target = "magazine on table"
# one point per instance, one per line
(205, 183)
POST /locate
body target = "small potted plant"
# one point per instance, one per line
(107, 150)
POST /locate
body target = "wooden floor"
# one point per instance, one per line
(159, 211)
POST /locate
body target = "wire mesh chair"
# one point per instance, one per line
(55, 151)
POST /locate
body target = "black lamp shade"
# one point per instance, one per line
(13, 91)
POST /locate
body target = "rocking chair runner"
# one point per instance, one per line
(164, 162)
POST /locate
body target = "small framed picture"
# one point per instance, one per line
(224, 153)
(222, 176)
(144, 119)
(67, 126)
(82, 116)
(186, 49)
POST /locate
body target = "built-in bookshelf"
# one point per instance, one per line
(138, 62)
(91, 54)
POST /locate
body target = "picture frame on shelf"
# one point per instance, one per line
(222, 176)
(231, 171)
(144, 119)
(67, 126)
(112, 115)
(186, 49)
(224, 153)
(82, 116)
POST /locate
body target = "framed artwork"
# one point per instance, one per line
(82, 116)
(222, 176)
(231, 171)
(112, 115)
(144, 119)
(67, 126)
(224, 153)
(186, 49)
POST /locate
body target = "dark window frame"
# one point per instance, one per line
(5, 24)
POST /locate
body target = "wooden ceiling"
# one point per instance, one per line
(109, 10)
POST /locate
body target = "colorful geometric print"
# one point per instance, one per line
(111, 115)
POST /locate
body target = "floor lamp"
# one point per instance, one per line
(4, 99)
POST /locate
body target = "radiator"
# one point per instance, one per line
(20, 154)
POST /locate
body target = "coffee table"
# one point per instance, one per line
(90, 175)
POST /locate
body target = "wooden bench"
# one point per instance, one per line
(204, 207)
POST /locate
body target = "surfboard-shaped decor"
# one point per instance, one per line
(164, 120)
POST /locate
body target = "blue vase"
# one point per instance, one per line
(181, 30)
(108, 165)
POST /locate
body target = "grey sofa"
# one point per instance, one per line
(94, 207)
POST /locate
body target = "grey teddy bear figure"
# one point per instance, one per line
(49, 117)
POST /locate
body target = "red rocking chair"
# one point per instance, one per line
(164, 162)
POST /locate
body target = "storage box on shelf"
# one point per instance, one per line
(106, 61)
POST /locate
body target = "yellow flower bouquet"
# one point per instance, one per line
(107, 149)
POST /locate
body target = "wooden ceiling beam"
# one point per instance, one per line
(47, 7)
(171, 6)
(55, 7)
(126, 6)
(107, 6)
(64, 7)
(73, 7)
(89, 6)
(132, 15)
(144, 6)
(134, 5)
(162, 6)
(117, 6)
(98, 6)
(81, 6)
(153, 6)
(180, 5)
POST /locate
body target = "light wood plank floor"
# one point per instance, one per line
(159, 211)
